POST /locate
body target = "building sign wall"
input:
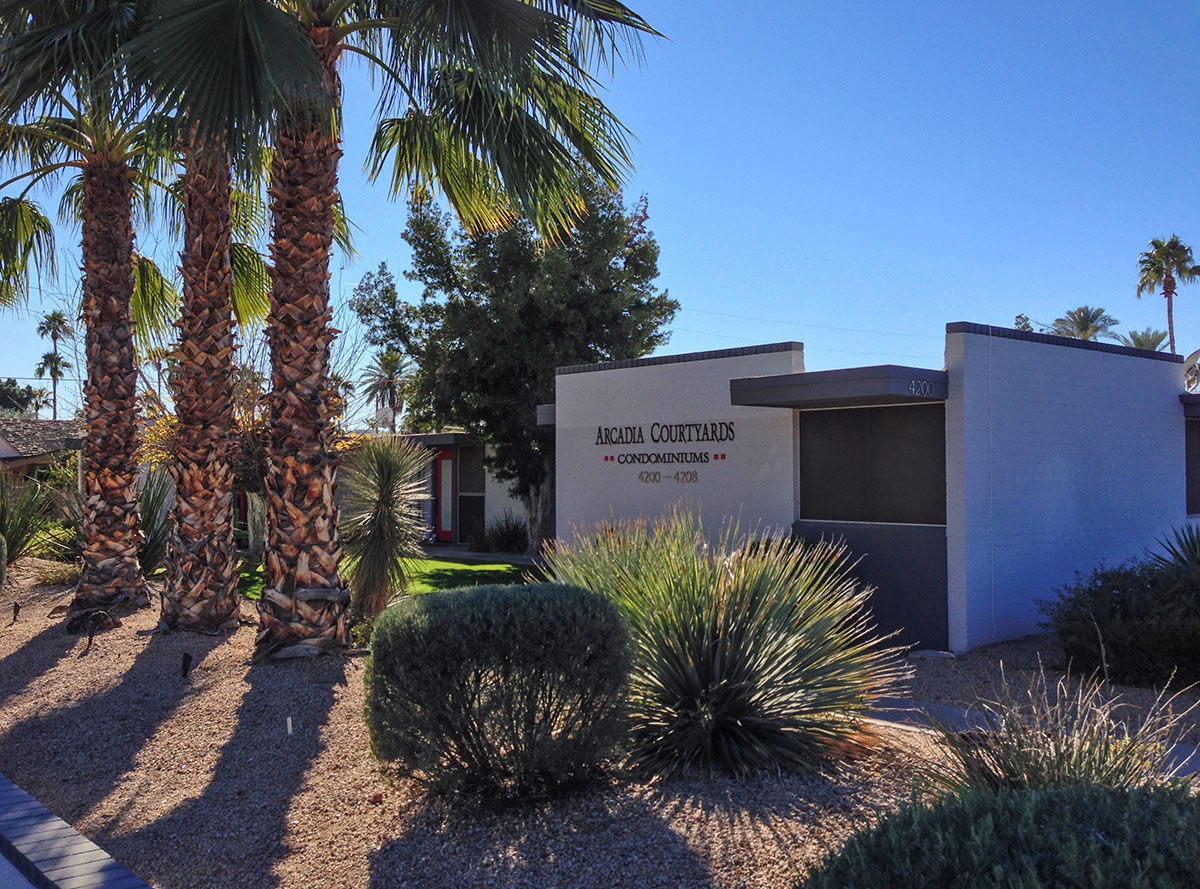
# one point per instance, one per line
(633, 441)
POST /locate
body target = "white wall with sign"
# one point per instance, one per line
(635, 438)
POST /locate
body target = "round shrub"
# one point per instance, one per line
(1137, 623)
(502, 691)
(1098, 837)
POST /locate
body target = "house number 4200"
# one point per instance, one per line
(921, 387)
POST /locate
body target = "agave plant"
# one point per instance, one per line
(752, 653)
(382, 519)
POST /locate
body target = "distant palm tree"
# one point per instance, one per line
(1085, 323)
(1163, 264)
(40, 399)
(1149, 339)
(383, 382)
(56, 326)
(54, 366)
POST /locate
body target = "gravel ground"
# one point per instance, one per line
(959, 681)
(197, 782)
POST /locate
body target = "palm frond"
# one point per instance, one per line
(251, 294)
(26, 248)
(155, 303)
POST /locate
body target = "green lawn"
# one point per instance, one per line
(427, 576)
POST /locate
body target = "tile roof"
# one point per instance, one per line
(33, 437)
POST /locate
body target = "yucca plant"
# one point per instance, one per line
(382, 519)
(1046, 734)
(1180, 556)
(154, 517)
(751, 653)
(25, 513)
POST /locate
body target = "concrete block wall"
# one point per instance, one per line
(1058, 457)
(752, 477)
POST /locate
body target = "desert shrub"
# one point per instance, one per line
(1138, 622)
(507, 533)
(382, 522)
(502, 691)
(61, 574)
(1040, 734)
(26, 510)
(751, 653)
(1098, 837)
(155, 492)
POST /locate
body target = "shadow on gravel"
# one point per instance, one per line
(35, 657)
(233, 834)
(84, 749)
(548, 846)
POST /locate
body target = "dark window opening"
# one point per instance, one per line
(874, 465)
(1192, 470)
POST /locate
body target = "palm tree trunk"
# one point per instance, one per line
(201, 590)
(111, 573)
(1169, 293)
(54, 397)
(304, 604)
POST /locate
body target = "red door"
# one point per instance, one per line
(443, 493)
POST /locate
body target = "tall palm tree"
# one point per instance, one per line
(1149, 339)
(497, 107)
(56, 326)
(54, 366)
(1085, 323)
(1166, 262)
(383, 382)
(74, 112)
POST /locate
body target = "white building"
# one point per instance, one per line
(970, 493)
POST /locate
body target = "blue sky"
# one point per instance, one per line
(855, 175)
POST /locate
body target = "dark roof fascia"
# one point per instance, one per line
(877, 385)
(441, 439)
(1050, 339)
(1191, 404)
(680, 359)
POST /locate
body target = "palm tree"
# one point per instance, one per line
(26, 246)
(1163, 264)
(56, 326)
(1149, 339)
(383, 382)
(74, 111)
(497, 107)
(1085, 323)
(54, 366)
(40, 399)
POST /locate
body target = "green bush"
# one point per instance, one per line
(502, 691)
(26, 510)
(1094, 837)
(507, 533)
(751, 653)
(1046, 735)
(1137, 623)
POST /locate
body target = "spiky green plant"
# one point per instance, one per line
(154, 518)
(750, 653)
(382, 520)
(1047, 734)
(25, 512)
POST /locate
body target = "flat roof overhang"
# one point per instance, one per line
(440, 439)
(882, 384)
(1191, 404)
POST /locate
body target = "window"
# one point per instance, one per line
(1192, 460)
(883, 464)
